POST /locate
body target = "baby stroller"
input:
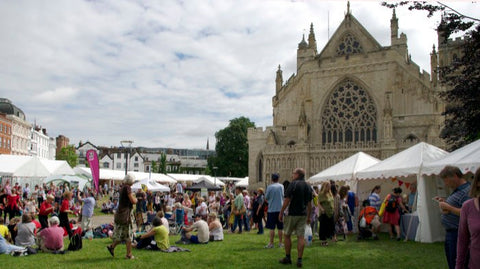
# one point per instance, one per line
(365, 219)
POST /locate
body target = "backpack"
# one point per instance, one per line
(391, 204)
(75, 242)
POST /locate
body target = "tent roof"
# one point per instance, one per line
(346, 169)
(68, 178)
(203, 185)
(210, 180)
(404, 163)
(195, 178)
(466, 158)
(108, 174)
(152, 185)
(28, 166)
(242, 183)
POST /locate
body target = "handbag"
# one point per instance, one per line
(363, 222)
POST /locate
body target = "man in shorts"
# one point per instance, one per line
(274, 197)
(298, 199)
(122, 218)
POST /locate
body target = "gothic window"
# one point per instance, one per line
(349, 45)
(349, 116)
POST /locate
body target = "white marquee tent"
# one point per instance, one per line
(242, 183)
(119, 175)
(32, 170)
(466, 158)
(152, 185)
(405, 167)
(346, 169)
(195, 178)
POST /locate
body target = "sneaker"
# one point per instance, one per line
(299, 264)
(269, 246)
(281, 245)
(285, 261)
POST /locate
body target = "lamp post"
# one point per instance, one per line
(215, 174)
(127, 144)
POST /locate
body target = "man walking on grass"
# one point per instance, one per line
(298, 198)
(274, 197)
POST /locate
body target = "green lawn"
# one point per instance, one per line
(244, 251)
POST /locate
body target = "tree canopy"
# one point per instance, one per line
(461, 77)
(68, 154)
(232, 149)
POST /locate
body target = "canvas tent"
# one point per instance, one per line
(242, 183)
(346, 169)
(75, 180)
(401, 170)
(151, 185)
(32, 170)
(466, 158)
(198, 186)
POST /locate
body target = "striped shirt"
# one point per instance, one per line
(457, 198)
(375, 200)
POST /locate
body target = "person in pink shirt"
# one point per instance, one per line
(51, 238)
(468, 244)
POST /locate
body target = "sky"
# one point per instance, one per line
(170, 73)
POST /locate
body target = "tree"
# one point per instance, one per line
(154, 168)
(68, 154)
(461, 77)
(232, 149)
(163, 163)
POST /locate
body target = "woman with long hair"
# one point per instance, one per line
(325, 205)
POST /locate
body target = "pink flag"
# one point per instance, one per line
(92, 159)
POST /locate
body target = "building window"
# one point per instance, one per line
(136, 158)
(349, 45)
(284, 128)
(135, 165)
(349, 115)
(106, 165)
(119, 165)
(119, 155)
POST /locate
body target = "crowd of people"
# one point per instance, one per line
(40, 217)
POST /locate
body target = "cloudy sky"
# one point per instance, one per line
(169, 73)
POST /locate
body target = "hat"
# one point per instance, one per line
(51, 197)
(129, 179)
(261, 189)
(275, 176)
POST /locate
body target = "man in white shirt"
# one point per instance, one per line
(201, 227)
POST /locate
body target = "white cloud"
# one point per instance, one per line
(168, 73)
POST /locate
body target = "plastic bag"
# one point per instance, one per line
(363, 222)
(308, 235)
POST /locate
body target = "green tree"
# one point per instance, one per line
(154, 167)
(232, 149)
(462, 76)
(68, 154)
(163, 163)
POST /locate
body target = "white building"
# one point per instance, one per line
(116, 161)
(41, 144)
(81, 152)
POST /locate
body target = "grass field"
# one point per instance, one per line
(244, 251)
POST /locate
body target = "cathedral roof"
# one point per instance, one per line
(8, 108)
(303, 44)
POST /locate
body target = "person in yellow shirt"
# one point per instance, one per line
(4, 230)
(157, 235)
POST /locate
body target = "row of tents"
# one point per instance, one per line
(34, 170)
(419, 164)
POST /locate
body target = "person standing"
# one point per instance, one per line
(238, 205)
(325, 205)
(248, 213)
(46, 208)
(122, 218)
(87, 210)
(64, 211)
(298, 198)
(258, 210)
(352, 202)
(374, 197)
(274, 197)
(453, 178)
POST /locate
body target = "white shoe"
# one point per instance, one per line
(281, 245)
(269, 246)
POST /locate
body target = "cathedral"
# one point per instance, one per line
(353, 95)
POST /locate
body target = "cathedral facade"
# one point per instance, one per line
(354, 95)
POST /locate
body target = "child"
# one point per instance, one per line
(369, 213)
(179, 214)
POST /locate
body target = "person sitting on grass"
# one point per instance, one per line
(7, 248)
(105, 208)
(202, 236)
(4, 230)
(25, 232)
(164, 220)
(50, 240)
(215, 227)
(155, 239)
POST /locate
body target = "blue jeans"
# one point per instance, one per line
(238, 221)
(451, 247)
(246, 220)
